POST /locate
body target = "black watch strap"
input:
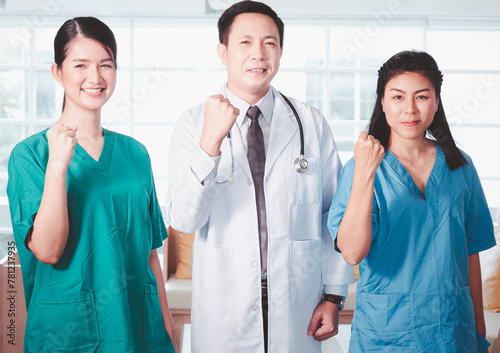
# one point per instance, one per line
(332, 298)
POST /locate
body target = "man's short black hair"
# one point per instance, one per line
(246, 6)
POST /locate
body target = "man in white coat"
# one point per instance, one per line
(266, 277)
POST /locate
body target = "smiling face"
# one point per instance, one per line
(252, 55)
(409, 104)
(87, 74)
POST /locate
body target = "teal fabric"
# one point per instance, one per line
(102, 295)
(413, 291)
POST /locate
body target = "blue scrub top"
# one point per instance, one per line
(102, 295)
(413, 291)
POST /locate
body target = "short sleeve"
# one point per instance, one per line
(158, 225)
(478, 222)
(24, 190)
(341, 199)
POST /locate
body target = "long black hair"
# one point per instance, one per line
(88, 27)
(424, 64)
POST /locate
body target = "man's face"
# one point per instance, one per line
(251, 56)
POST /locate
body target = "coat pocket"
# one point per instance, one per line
(154, 326)
(214, 279)
(70, 323)
(305, 260)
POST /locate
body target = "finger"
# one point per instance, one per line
(363, 135)
(236, 111)
(313, 325)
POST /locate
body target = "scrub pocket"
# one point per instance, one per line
(214, 279)
(386, 320)
(154, 326)
(305, 261)
(69, 323)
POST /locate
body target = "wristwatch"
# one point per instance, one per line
(335, 299)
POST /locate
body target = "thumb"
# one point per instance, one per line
(314, 324)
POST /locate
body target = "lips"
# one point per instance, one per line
(411, 123)
(257, 70)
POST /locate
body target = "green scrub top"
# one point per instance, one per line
(101, 296)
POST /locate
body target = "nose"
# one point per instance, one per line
(94, 74)
(411, 106)
(258, 52)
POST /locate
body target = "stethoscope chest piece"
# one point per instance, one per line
(301, 164)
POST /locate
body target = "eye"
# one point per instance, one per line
(422, 97)
(80, 66)
(272, 44)
(245, 42)
(107, 66)
(397, 97)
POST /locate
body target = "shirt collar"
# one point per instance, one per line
(265, 104)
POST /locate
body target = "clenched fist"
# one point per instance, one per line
(219, 118)
(62, 141)
(368, 153)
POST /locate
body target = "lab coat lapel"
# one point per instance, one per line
(281, 132)
(239, 152)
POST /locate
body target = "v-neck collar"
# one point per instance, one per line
(405, 175)
(102, 165)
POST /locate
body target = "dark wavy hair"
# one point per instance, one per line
(424, 64)
(247, 6)
(88, 27)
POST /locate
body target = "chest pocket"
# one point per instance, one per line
(304, 187)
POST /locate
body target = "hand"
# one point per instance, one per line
(324, 322)
(368, 153)
(62, 141)
(220, 116)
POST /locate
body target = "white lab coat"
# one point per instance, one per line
(226, 311)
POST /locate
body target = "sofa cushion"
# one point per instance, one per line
(183, 270)
(490, 271)
(178, 293)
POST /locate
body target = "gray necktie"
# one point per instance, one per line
(257, 160)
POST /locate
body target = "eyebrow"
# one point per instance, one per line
(86, 60)
(419, 91)
(266, 37)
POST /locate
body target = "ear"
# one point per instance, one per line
(222, 52)
(281, 51)
(382, 101)
(57, 73)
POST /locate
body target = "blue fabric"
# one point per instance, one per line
(413, 290)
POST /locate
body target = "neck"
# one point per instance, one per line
(251, 97)
(410, 149)
(88, 122)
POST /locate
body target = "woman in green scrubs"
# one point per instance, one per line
(86, 218)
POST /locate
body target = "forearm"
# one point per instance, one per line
(154, 263)
(355, 231)
(50, 229)
(476, 292)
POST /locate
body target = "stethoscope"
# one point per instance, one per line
(300, 164)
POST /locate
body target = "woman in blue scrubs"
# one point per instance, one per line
(86, 218)
(411, 211)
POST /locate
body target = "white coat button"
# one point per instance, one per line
(255, 307)
(251, 224)
(255, 265)
(249, 181)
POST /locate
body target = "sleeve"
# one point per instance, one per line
(159, 229)
(189, 202)
(341, 199)
(337, 274)
(478, 222)
(24, 190)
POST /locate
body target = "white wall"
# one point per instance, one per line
(285, 8)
